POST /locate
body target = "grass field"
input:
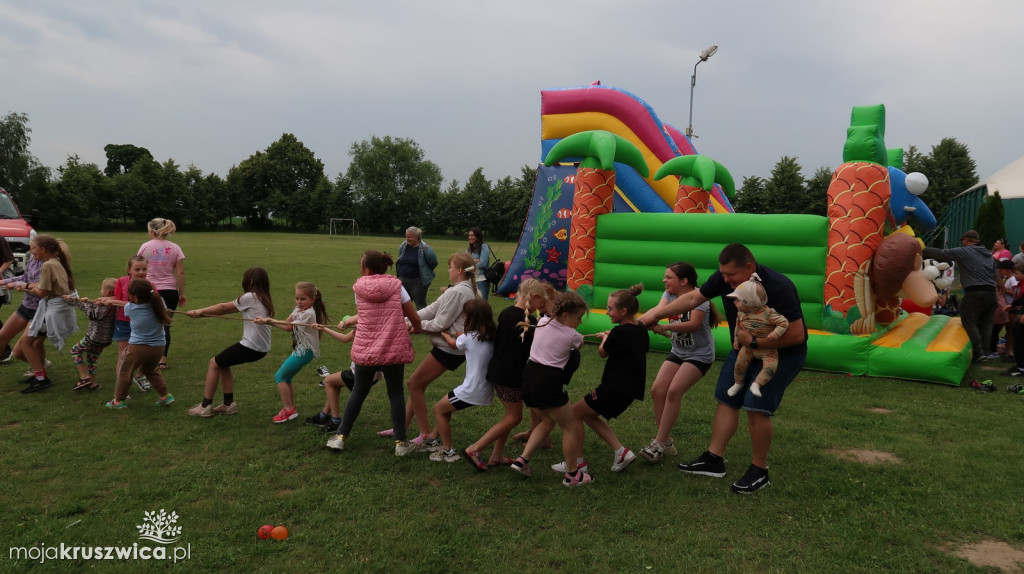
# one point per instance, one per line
(77, 474)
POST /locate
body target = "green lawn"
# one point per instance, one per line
(78, 474)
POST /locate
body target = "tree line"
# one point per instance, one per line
(388, 186)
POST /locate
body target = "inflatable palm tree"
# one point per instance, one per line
(697, 175)
(594, 189)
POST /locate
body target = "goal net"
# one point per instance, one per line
(342, 226)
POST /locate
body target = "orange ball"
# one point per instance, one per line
(279, 533)
(265, 531)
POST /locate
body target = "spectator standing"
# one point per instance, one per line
(978, 278)
(415, 266)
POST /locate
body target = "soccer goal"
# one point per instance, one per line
(339, 225)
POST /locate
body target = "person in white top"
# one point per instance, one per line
(253, 303)
(478, 344)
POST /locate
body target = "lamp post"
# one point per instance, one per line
(707, 53)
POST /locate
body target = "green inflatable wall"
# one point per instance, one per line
(636, 247)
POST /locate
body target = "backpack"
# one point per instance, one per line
(495, 273)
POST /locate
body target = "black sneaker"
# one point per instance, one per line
(1016, 389)
(753, 480)
(318, 419)
(706, 464)
(1013, 372)
(331, 426)
(37, 385)
(5, 356)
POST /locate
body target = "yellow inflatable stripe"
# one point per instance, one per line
(951, 339)
(558, 126)
(902, 332)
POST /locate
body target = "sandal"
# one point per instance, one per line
(162, 365)
(475, 460)
(505, 461)
(85, 383)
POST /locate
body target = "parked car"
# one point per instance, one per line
(15, 229)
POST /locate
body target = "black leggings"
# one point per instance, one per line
(170, 297)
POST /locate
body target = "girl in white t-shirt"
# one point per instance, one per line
(253, 303)
(309, 310)
(478, 344)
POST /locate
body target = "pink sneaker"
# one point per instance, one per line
(386, 433)
(286, 415)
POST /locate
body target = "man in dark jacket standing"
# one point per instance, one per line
(977, 272)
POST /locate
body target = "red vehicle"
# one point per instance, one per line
(15, 229)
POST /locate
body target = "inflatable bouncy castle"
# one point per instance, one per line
(851, 268)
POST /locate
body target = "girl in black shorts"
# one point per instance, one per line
(543, 378)
(255, 344)
(505, 371)
(623, 380)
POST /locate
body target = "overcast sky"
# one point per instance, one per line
(210, 83)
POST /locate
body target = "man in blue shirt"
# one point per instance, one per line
(736, 264)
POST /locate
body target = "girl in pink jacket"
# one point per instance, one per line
(381, 343)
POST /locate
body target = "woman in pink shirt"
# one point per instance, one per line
(166, 270)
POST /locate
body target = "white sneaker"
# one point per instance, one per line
(560, 467)
(201, 411)
(142, 383)
(443, 455)
(623, 460)
(336, 442)
(31, 373)
(653, 452)
(669, 448)
(404, 447)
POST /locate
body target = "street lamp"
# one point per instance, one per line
(707, 53)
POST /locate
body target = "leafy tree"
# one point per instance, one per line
(752, 196)
(990, 223)
(276, 182)
(950, 171)
(73, 201)
(140, 189)
(340, 203)
(913, 160)
(817, 191)
(511, 204)
(391, 183)
(785, 189)
(21, 174)
(121, 158)
(444, 215)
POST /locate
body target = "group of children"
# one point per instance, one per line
(527, 357)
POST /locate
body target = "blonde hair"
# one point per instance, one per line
(108, 285)
(467, 266)
(528, 288)
(161, 227)
(567, 302)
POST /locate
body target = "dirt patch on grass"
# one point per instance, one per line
(880, 410)
(991, 554)
(866, 456)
